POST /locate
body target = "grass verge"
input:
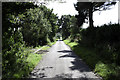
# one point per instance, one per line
(95, 62)
(27, 65)
(51, 43)
(30, 62)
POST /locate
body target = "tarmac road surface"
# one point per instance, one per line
(61, 62)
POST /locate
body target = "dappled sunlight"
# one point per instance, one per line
(39, 72)
(39, 43)
(79, 65)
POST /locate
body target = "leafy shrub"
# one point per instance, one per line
(12, 52)
(105, 39)
(105, 68)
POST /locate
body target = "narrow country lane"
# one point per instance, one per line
(61, 62)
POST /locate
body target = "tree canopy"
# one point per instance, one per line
(86, 9)
(24, 25)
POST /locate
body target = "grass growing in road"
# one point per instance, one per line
(95, 62)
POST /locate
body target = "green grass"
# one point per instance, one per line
(88, 55)
(30, 62)
(28, 65)
(51, 43)
(57, 39)
(95, 62)
(33, 60)
(38, 47)
(67, 41)
(45, 47)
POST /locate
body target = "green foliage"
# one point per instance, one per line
(105, 40)
(37, 28)
(40, 24)
(66, 41)
(86, 54)
(68, 26)
(58, 35)
(45, 48)
(13, 54)
(12, 9)
(49, 43)
(71, 44)
(65, 23)
(106, 70)
(85, 12)
(24, 24)
(12, 51)
(27, 66)
(33, 60)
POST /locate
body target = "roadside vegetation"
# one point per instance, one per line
(98, 46)
(26, 28)
(27, 66)
(100, 51)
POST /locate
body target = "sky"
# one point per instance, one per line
(99, 17)
(63, 8)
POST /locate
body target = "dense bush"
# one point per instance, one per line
(40, 24)
(105, 40)
(107, 71)
(68, 27)
(24, 24)
(12, 39)
(12, 51)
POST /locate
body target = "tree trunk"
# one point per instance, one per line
(91, 15)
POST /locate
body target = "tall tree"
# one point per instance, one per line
(86, 9)
(68, 26)
(12, 39)
(65, 23)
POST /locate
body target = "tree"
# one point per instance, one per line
(36, 26)
(12, 38)
(64, 22)
(52, 18)
(86, 9)
(68, 26)
(74, 29)
(23, 22)
(13, 9)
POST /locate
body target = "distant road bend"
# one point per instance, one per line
(61, 62)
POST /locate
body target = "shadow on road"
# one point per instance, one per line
(42, 51)
(59, 40)
(65, 51)
(63, 76)
(39, 73)
(77, 63)
(69, 77)
(69, 53)
(66, 56)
